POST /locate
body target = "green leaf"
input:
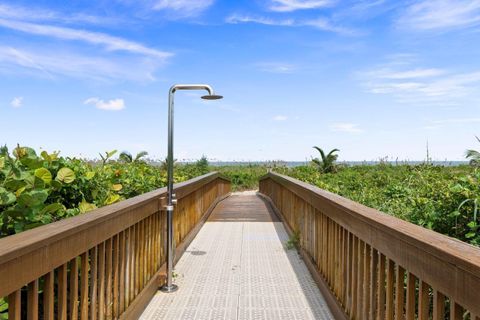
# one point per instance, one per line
(44, 174)
(470, 235)
(57, 185)
(85, 206)
(33, 198)
(2, 162)
(89, 175)
(6, 197)
(52, 208)
(65, 175)
(112, 199)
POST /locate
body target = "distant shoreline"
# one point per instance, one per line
(349, 163)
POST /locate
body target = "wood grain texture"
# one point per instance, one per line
(445, 264)
(104, 259)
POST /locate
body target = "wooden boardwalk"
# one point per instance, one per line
(237, 267)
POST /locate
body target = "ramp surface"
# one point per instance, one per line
(237, 267)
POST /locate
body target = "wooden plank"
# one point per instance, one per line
(74, 289)
(366, 282)
(399, 293)
(355, 293)
(84, 268)
(93, 282)
(48, 296)
(32, 300)
(14, 305)
(108, 279)
(115, 265)
(101, 281)
(373, 284)
(438, 305)
(456, 311)
(381, 298)
(423, 301)
(62, 295)
(389, 294)
(122, 280)
(411, 288)
(360, 279)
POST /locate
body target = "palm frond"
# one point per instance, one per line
(140, 155)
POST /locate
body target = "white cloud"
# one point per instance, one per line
(17, 102)
(411, 84)
(276, 67)
(41, 14)
(441, 15)
(293, 5)
(346, 127)
(110, 105)
(280, 118)
(323, 24)
(235, 18)
(457, 121)
(183, 8)
(50, 62)
(109, 42)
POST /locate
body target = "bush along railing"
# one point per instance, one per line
(105, 264)
(375, 266)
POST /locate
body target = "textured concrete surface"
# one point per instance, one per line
(237, 267)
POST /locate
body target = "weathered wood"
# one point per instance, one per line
(423, 301)
(73, 289)
(438, 305)
(14, 305)
(445, 264)
(101, 281)
(411, 286)
(105, 258)
(48, 296)
(84, 268)
(62, 295)
(93, 283)
(390, 296)
(32, 300)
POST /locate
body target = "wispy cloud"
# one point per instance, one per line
(50, 63)
(17, 102)
(457, 121)
(346, 127)
(440, 15)
(14, 12)
(110, 105)
(97, 38)
(183, 8)
(276, 67)
(321, 23)
(280, 117)
(293, 5)
(412, 84)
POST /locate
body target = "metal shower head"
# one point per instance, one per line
(212, 97)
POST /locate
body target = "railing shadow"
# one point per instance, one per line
(314, 297)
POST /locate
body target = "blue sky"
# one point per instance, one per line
(373, 78)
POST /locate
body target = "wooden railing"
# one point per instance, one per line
(105, 264)
(373, 265)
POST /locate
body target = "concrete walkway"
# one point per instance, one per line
(237, 267)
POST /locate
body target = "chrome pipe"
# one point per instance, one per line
(171, 201)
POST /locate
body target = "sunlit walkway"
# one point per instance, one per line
(238, 268)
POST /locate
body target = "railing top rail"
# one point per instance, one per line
(19, 244)
(447, 249)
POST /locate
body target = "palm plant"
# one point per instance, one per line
(327, 162)
(127, 157)
(473, 155)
